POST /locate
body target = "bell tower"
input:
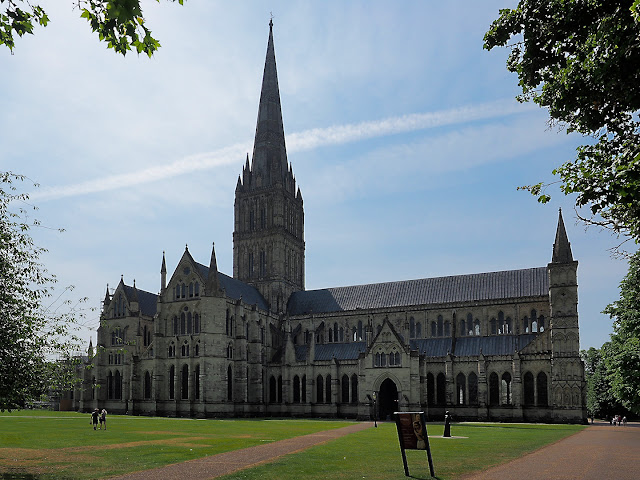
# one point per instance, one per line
(268, 237)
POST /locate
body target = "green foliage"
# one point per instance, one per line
(622, 353)
(601, 401)
(32, 333)
(119, 23)
(19, 21)
(581, 61)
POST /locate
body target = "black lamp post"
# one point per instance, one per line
(375, 411)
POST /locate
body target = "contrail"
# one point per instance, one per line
(305, 140)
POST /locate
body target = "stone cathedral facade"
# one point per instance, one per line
(489, 346)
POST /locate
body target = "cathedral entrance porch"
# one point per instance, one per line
(387, 399)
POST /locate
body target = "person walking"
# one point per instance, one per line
(94, 418)
(103, 418)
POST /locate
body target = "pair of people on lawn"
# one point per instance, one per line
(101, 416)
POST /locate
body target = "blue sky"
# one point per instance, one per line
(403, 134)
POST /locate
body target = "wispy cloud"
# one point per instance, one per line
(340, 134)
(306, 140)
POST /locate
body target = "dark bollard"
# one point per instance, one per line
(447, 425)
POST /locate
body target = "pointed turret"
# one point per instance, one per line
(163, 275)
(107, 299)
(213, 284)
(269, 151)
(90, 349)
(561, 247)
(134, 294)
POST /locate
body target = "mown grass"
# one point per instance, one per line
(374, 454)
(60, 445)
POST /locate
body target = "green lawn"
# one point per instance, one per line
(60, 445)
(375, 454)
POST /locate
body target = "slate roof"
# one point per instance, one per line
(472, 346)
(236, 289)
(301, 352)
(327, 351)
(530, 282)
(147, 301)
(432, 347)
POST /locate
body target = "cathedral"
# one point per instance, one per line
(500, 346)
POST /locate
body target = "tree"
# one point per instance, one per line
(581, 60)
(601, 401)
(119, 23)
(33, 332)
(622, 353)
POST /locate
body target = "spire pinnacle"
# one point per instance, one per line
(213, 284)
(562, 246)
(269, 150)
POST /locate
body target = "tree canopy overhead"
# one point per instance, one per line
(119, 23)
(580, 59)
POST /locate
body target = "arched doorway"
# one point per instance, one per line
(387, 399)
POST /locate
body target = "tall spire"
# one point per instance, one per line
(561, 247)
(269, 150)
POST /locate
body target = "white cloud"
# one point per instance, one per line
(306, 140)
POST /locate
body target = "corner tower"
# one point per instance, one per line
(268, 237)
(567, 369)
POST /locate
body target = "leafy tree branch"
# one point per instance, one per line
(118, 23)
(581, 61)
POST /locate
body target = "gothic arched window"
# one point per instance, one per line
(296, 389)
(431, 394)
(441, 394)
(506, 389)
(319, 389)
(461, 388)
(147, 385)
(494, 389)
(529, 393)
(185, 382)
(196, 378)
(172, 382)
(473, 388)
(354, 388)
(345, 388)
(543, 396)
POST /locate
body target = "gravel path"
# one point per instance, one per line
(600, 452)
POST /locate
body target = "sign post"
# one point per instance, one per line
(412, 435)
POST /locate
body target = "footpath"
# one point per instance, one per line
(229, 462)
(600, 452)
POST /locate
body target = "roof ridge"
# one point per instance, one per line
(397, 282)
